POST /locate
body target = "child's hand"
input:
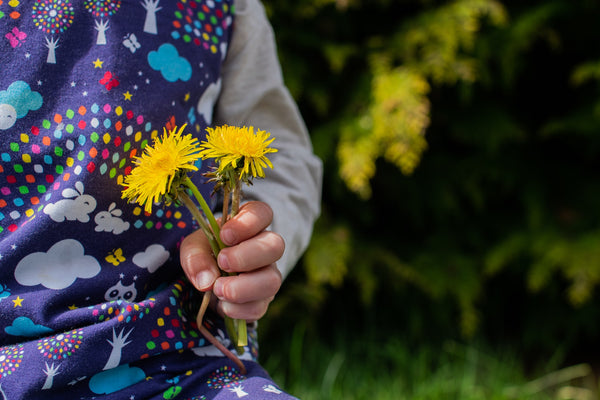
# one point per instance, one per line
(252, 253)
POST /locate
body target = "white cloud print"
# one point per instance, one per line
(57, 269)
(152, 258)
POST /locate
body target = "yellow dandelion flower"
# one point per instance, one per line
(238, 148)
(172, 155)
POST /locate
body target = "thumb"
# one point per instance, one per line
(198, 262)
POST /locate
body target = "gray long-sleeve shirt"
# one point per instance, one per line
(253, 93)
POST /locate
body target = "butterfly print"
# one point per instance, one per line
(115, 257)
(109, 81)
(16, 37)
(131, 42)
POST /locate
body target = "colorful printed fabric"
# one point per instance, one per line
(93, 303)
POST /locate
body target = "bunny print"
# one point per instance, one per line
(110, 221)
(75, 206)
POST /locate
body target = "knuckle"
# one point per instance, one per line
(265, 210)
(279, 242)
(257, 310)
(274, 278)
(273, 242)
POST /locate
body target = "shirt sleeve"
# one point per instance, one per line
(253, 94)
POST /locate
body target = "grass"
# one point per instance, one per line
(373, 368)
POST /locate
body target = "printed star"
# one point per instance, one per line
(187, 97)
(163, 367)
(73, 307)
(13, 246)
(27, 55)
(85, 93)
(121, 275)
(98, 63)
(140, 73)
(18, 302)
(135, 87)
(147, 81)
(73, 84)
(132, 397)
(39, 83)
(127, 95)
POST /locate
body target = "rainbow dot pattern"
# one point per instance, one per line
(201, 23)
(53, 16)
(224, 377)
(12, 12)
(170, 329)
(11, 358)
(53, 154)
(124, 312)
(60, 346)
(102, 8)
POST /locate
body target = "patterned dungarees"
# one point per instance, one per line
(93, 303)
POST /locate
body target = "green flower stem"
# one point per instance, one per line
(242, 334)
(206, 209)
(214, 244)
(239, 331)
(230, 326)
(236, 196)
(226, 194)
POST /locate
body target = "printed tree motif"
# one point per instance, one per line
(51, 44)
(101, 27)
(119, 341)
(239, 390)
(102, 9)
(151, 7)
(52, 17)
(50, 371)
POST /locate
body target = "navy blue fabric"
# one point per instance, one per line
(92, 299)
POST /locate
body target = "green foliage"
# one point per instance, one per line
(374, 370)
(461, 144)
(392, 127)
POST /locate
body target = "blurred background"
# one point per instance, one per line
(458, 251)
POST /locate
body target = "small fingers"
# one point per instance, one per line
(249, 312)
(247, 296)
(252, 218)
(263, 249)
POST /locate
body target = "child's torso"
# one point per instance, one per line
(84, 86)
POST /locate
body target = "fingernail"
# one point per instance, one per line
(223, 262)
(228, 236)
(218, 290)
(204, 279)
